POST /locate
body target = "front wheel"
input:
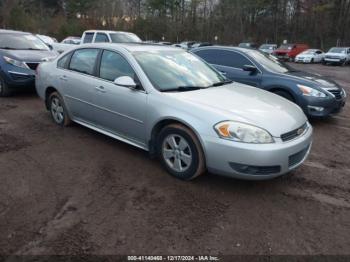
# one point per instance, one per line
(58, 110)
(180, 152)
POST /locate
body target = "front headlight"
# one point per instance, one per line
(309, 91)
(15, 62)
(244, 133)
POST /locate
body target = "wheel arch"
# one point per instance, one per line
(273, 89)
(165, 122)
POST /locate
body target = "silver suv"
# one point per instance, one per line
(172, 104)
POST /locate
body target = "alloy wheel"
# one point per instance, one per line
(57, 110)
(177, 153)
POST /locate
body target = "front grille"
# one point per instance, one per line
(255, 170)
(298, 157)
(294, 134)
(332, 57)
(336, 92)
(19, 77)
(32, 66)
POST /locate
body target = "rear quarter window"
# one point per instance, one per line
(88, 38)
(63, 62)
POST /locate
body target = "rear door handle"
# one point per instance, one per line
(223, 73)
(100, 89)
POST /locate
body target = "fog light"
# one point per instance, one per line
(316, 108)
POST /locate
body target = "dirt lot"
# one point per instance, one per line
(74, 191)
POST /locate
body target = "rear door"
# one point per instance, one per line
(231, 64)
(78, 84)
(120, 110)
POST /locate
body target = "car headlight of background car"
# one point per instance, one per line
(244, 133)
(15, 62)
(309, 91)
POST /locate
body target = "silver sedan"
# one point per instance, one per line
(172, 104)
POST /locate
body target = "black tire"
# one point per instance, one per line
(64, 119)
(285, 95)
(4, 89)
(312, 61)
(196, 167)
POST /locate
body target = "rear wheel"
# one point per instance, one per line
(4, 89)
(58, 110)
(285, 95)
(312, 61)
(180, 152)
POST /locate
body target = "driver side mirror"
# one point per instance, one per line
(250, 68)
(125, 81)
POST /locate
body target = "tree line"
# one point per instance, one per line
(320, 23)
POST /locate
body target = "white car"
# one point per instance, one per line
(101, 36)
(310, 56)
(268, 48)
(338, 55)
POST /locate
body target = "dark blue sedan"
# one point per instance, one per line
(316, 95)
(20, 54)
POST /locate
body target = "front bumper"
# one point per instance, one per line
(256, 161)
(329, 106)
(303, 60)
(18, 77)
(334, 60)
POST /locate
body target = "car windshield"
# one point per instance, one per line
(269, 62)
(21, 42)
(178, 71)
(338, 50)
(125, 38)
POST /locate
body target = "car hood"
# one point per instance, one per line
(306, 55)
(336, 54)
(315, 80)
(30, 55)
(250, 105)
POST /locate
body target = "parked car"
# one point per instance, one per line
(20, 54)
(47, 40)
(201, 44)
(72, 40)
(310, 56)
(66, 44)
(169, 102)
(316, 95)
(288, 52)
(249, 45)
(268, 48)
(186, 45)
(338, 55)
(99, 36)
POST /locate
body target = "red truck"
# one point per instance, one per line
(288, 52)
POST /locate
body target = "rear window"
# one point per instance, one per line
(83, 61)
(88, 38)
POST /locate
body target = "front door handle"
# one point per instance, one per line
(223, 73)
(100, 89)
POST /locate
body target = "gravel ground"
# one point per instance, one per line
(74, 191)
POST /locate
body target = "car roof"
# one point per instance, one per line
(3, 31)
(132, 47)
(107, 31)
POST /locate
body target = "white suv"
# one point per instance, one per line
(339, 55)
(98, 36)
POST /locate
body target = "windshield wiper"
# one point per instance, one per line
(183, 88)
(222, 83)
(35, 49)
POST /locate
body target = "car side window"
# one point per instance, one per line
(101, 38)
(113, 65)
(83, 61)
(88, 38)
(62, 62)
(224, 58)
